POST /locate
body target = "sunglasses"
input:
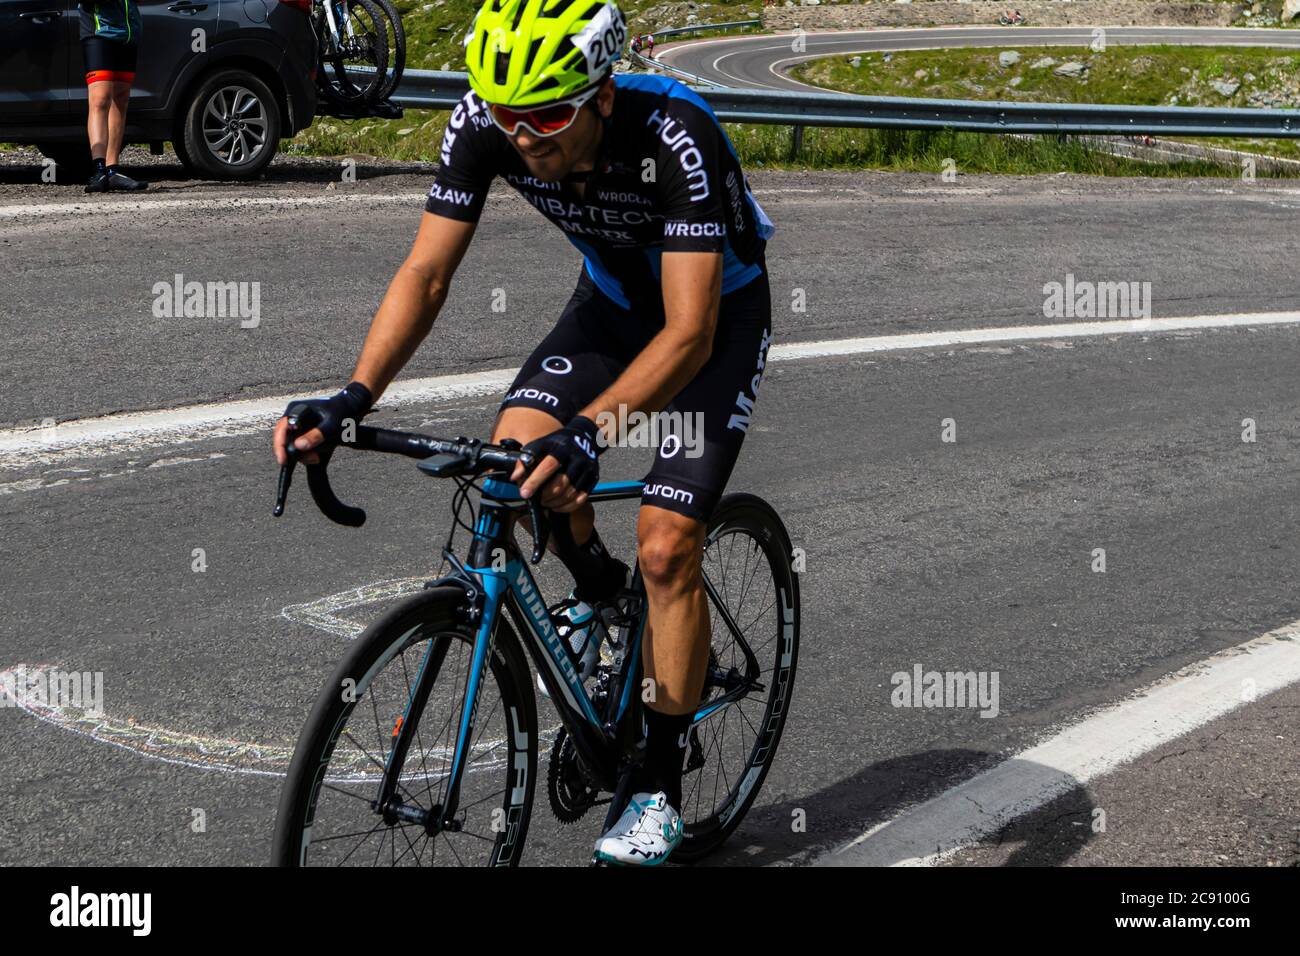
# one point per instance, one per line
(543, 120)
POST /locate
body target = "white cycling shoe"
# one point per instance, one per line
(644, 835)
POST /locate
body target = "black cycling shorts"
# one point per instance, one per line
(108, 60)
(700, 432)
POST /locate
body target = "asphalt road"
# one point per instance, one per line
(973, 555)
(763, 61)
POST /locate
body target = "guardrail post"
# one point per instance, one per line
(796, 143)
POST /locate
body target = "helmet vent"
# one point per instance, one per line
(533, 49)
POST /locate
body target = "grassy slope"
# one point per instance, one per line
(1149, 75)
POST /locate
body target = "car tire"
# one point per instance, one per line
(72, 159)
(231, 126)
(178, 147)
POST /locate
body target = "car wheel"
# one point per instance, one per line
(178, 146)
(231, 127)
(72, 159)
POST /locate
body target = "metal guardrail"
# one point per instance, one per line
(678, 31)
(429, 89)
(434, 89)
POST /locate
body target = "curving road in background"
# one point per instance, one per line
(763, 62)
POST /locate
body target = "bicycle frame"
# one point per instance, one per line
(497, 577)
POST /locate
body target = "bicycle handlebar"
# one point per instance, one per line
(460, 457)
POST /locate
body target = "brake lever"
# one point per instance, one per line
(541, 527)
(282, 487)
(286, 472)
(541, 530)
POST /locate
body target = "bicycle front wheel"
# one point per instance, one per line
(329, 809)
(754, 606)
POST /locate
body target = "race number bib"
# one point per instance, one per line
(601, 41)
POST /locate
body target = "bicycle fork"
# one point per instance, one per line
(483, 606)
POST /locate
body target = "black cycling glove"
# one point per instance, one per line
(575, 447)
(332, 414)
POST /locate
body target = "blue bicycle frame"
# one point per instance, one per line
(497, 576)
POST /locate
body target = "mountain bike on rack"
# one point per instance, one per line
(422, 747)
(361, 49)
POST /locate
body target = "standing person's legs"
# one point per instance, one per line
(106, 124)
(110, 72)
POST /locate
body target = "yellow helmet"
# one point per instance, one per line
(523, 53)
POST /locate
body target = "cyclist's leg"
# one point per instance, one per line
(700, 437)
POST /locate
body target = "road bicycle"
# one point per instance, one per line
(422, 747)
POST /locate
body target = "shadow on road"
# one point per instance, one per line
(884, 791)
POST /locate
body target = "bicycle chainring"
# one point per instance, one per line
(570, 794)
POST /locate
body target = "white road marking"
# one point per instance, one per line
(323, 613)
(226, 203)
(114, 434)
(234, 203)
(204, 752)
(1173, 706)
(133, 431)
(350, 765)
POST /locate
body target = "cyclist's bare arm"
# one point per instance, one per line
(692, 290)
(412, 303)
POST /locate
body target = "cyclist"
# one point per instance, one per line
(671, 313)
(110, 39)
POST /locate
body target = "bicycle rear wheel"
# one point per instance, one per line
(747, 560)
(396, 35)
(328, 814)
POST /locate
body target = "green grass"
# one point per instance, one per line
(926, 151)
(1144, 76)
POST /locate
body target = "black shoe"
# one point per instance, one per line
(98, 182)
(120, 182)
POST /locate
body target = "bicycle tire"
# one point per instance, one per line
(430, 616)
(346, 87)
(396, 51)
(752, 516)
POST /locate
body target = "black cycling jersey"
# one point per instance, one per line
(668, 179)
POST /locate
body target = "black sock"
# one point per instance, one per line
(597, 574)
(112, 170)
(99, 165)
(665, 751)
